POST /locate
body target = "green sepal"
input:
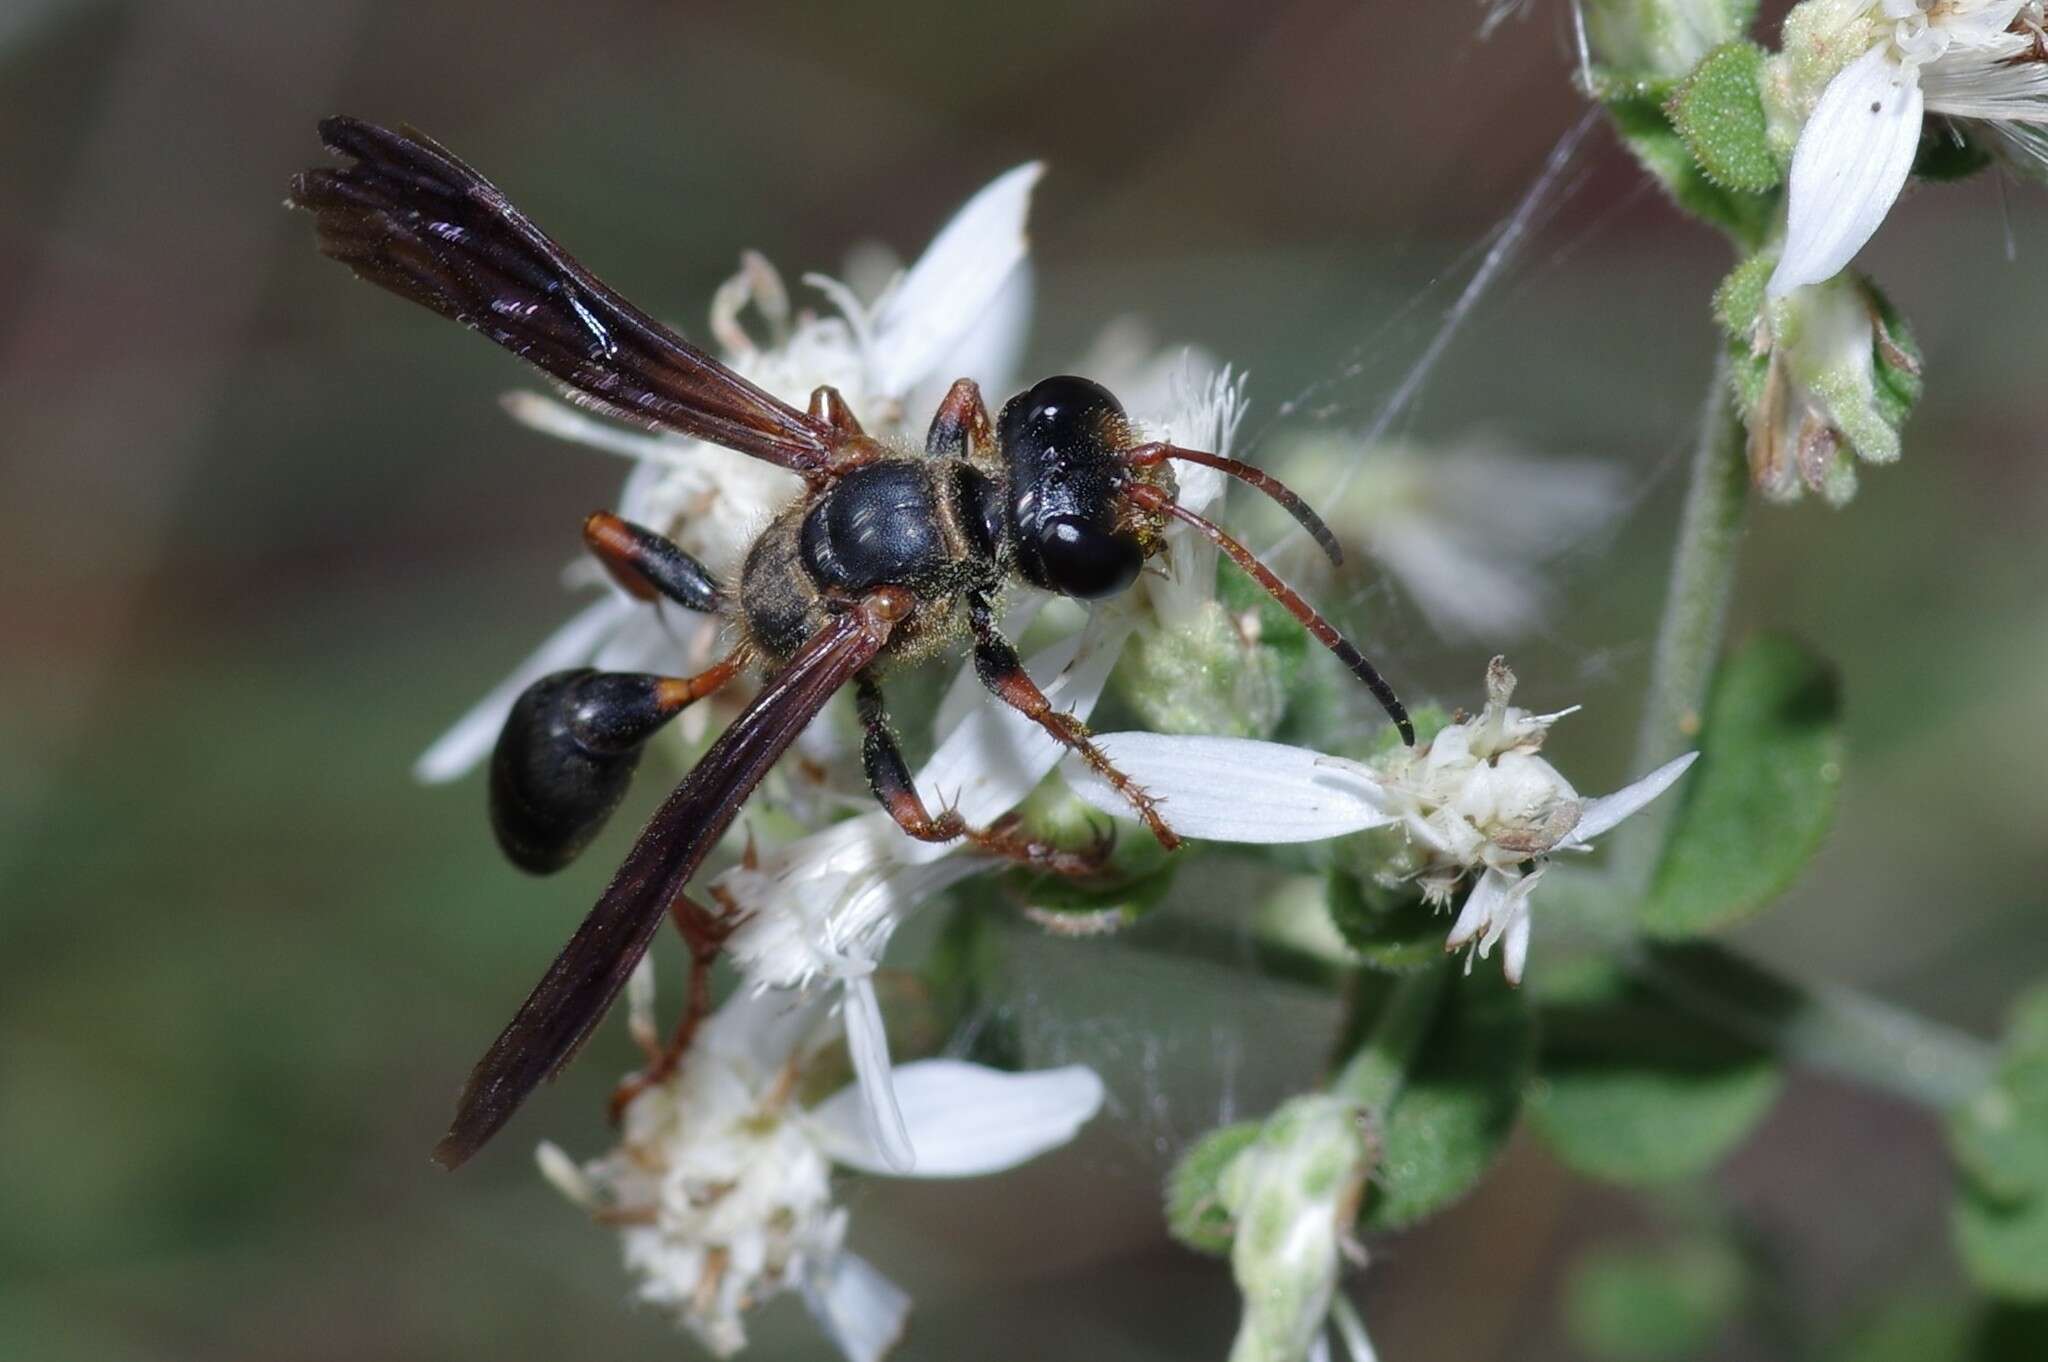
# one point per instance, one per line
(1898, 386)
(1390, 929)
(1194, 1210)
(1719, 112)
(1756, 806)
(1134, 880)
(1635, 1090)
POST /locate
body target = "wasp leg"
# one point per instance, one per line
(704, 931)
(1002, 671)
(889, 777)
(960, 427)
(648, 566)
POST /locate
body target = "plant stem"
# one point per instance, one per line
(1695, 618)
(1827, 1027)
(1376, 1070)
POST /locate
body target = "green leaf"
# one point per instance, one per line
(1915, 1329)
(1720, 114)
(1657, 144)
(1754, 809)
(1449, 1120)
(2003, 1244)
(2000, 1137)
(1194, 1211)
(1635, 1090)
(1644, 1305)
(2009, 1333)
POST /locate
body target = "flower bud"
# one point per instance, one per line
(1819, 38)
(1825, 374)
(1209, 673)
(1649, 43)
(1293, 1195)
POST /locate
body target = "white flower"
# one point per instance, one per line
(1476, 804)
(1466, 529)
(721, 1183)
(962, 310)
(1974, 59)
(1294, 1195)
(822, 908)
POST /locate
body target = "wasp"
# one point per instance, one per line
(888, 556)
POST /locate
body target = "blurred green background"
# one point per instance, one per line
(265, 532)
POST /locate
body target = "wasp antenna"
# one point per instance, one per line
(1324, 632)
(1145, 455)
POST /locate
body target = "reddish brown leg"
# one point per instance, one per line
(889, 777)
(704, 931)
(1002, 671)
(960, 427)
(649, 566)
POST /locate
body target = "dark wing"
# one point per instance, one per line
(571, 998)
(410, 217)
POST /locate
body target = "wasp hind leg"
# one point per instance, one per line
(889, 777)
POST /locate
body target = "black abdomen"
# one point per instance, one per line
(877, 525)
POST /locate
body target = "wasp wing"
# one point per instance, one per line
(410, 217)
(571, 998)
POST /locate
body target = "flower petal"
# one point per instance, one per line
(990, 353)
(1235, 789)
(1514, 951)
(867, 1044)
(1598, 815)
(1851, 162)
(953, 283)
(861, 1312)
(965, 1120)
(758, 1031)
(1487, 901)
(565, 1174)
(464, 745)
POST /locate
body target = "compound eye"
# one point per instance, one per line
(1078, 559)
(1063, 412)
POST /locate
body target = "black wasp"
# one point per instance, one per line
(888, 556)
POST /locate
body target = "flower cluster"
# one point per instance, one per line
(1858, 79)
(721, 1184)
(1474, 806)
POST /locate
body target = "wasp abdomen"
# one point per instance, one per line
(564, 759)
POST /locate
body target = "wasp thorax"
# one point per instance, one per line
(1063, 440)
